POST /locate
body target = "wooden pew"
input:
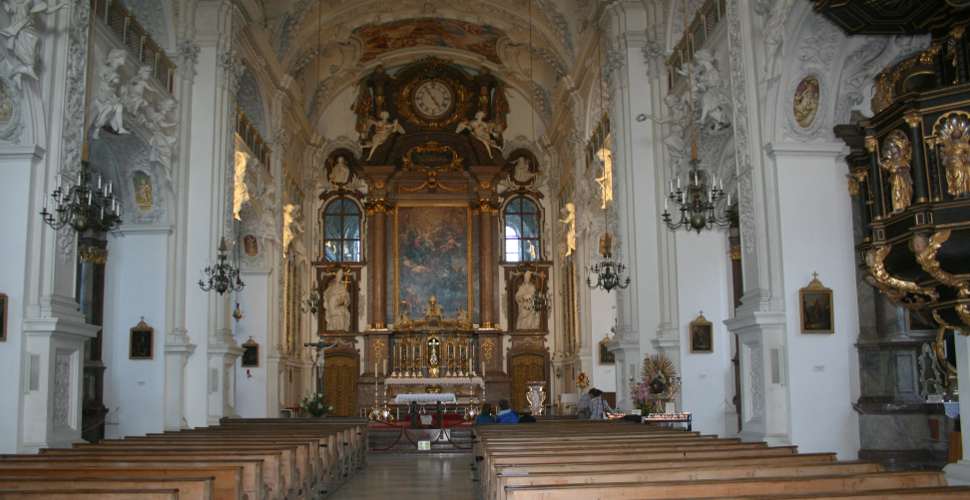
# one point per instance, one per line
(226, 481)
(90, 494)
(187, 489)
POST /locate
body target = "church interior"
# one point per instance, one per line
(327, 248)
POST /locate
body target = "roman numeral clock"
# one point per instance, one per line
(433, 99)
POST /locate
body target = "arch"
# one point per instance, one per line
(521, 229)
(342, 224)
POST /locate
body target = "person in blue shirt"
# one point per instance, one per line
(505, 413)
(485, 417)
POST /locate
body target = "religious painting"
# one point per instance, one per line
(701, 335)
(3, 317)
(917, 320)
(606, 357)
(432, 259)
(805, 101)
(144, 198)
(250, 245)
(250, 355)
(141, 341)
(407, 33)
(815, 303)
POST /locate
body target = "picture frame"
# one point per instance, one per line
(606, 357)
(141, 341)
(3, 317)
(701, 335)
(816, 309)
(250, 355)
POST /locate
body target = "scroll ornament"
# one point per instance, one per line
(907, 293)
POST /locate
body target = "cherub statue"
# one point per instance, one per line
(383, 130)
(569, 219)
(21, 34)
(133, 93)
(109, 110)
(486, 133)
(162, 124)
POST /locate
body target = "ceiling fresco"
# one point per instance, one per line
(443, 33)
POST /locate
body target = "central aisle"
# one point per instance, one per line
(412, 476)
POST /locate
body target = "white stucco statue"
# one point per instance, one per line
(108, 106)
(527, 317)
(291, 225)
(710, 89)
(605, 181)
(161, 123)
(133, 93)
(569, 219)
(485, 132)
(22, 35)
(383, 130)
(522, 170)
(340, 172)
(336, 300)
(240, 192)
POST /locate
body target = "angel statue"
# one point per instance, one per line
(133, 94)
(605, 181)
(383, 130)
(108, 106)
(569, 219)
(21, 34)
(486, 133)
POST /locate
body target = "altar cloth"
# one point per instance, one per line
(426, 398)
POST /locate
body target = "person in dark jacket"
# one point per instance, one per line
(505, 413)
(485, 417)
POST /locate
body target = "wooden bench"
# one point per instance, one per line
(90, 494)
(199, 488)
(226, 482)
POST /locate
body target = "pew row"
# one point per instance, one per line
(622, 460)
(239, 459)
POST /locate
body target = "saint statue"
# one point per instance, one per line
(522, 170)
(896, 154)
(383, 130)
(340, 172)
(336, 299)
(569, 219)
(954, 137)
(109, 110)
(527, 317)
(605, 181)
(485, 132)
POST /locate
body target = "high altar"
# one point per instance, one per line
(431, 227)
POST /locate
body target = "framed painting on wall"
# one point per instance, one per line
(815, 304)
(141, 341)
(606, 357)
(701, 335)
(250, 355)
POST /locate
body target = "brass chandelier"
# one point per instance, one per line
(608, 273)
(89, 204)
(223, 276)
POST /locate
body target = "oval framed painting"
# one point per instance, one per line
(805, 101)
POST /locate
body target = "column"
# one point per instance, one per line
(377, 272)
(210, 372)
(486, 264)
(959, 473)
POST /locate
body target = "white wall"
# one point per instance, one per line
(603, 317)
(817, 237)
(251, 388)
(135, 284)
(703, 274)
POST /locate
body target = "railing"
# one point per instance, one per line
(136, 39)
(698, 31)
(250, 136)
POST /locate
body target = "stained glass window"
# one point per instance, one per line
(523, 242)
(341, 231)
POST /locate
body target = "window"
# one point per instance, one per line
(522, 226)
(341, 231)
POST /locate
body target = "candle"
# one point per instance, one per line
(384, 371)
(99, 181)
(678, 182)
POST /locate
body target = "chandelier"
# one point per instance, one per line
(89, 204)
(608, 273)
(223, 276)
(699, 202)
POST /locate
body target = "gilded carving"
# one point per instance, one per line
(917, 295)
(895, 160)
(488, 350)
(952, 134)
(856, 178)
(883, 95)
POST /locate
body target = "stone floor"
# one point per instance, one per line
(412, 476)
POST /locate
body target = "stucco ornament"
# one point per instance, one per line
(292, 224)
(383, 129)
(108, 104)
(133, 93)
(489, 134)
(161, 124)
(711, 91)
(23, 37)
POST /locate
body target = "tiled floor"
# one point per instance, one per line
(412, 476)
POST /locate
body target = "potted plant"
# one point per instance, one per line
(315, 405)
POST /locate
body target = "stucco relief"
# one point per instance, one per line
(64, 379)
(739, 101)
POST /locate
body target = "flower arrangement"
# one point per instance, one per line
(659, 384)
(582, 381)
(315, 405)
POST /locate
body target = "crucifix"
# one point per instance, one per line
(319, 348)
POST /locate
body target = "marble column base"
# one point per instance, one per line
(958, 474)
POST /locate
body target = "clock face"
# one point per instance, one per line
(433, 99)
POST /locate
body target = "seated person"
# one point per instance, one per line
(599, 408)
(505, 413)
(527, 418)
(485, 417)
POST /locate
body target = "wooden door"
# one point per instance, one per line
(340, 384)
(524, 369)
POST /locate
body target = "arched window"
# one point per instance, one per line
(523, 242)
(341, 231)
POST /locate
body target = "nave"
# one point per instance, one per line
(412, 476)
